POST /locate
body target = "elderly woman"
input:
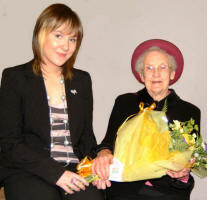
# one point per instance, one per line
(157, 64)
(46, 110)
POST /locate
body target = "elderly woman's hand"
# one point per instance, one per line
(101, 164)
(102, 184)
(182, 174)
(70, 182)
(179, 174)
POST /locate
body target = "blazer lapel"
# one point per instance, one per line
(73, 108)
(39, 101)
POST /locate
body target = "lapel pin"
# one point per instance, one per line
(74, 92)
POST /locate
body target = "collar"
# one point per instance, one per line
(172, 99)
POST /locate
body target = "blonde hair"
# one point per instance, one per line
(50, 19)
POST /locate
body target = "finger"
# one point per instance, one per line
(74, 187)
(95, 183)
(107, 171)
(108, 183)
(67, 189)
(186, 170)
(193, 160)
(100, 172)
(104, 169)
(99, 184)
(93, 168)
(78, 183)
(81, 179)
(103, 185)
(171, 174)
(179, 174)
(111, 160)
(98, 169)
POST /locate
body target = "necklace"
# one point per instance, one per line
(65, 121)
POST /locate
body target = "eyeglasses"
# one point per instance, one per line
(160, 68)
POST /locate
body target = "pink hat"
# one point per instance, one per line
(170, 48)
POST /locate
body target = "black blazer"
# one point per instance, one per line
(25, 126)
(128, 104)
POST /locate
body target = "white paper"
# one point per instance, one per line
(116, 170)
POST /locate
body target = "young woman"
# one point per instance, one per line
(46, 115)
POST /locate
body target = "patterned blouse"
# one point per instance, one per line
(61, 145)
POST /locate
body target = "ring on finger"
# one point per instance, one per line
(74, 181)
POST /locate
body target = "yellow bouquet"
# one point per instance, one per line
(145, 148)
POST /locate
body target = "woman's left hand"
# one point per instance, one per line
(179, 174)
(182, 173)
(71, 182)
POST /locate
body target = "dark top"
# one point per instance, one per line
(25, 126)
(128, 104)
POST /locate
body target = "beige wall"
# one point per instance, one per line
(112, 30)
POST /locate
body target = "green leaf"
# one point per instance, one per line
(164, 109)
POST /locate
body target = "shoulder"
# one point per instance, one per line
(14, 80)
(81, 78)
(12, 70)
(127, 96)
(181, 106)
(188, 106)
(132, 96)
(16, 71)
(78, 74)
(183, 110)
(127, 100)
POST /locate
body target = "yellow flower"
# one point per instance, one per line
(189, 140)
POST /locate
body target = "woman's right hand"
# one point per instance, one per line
(70, 181)
(101, 164)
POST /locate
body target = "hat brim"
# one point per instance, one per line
(170, 48)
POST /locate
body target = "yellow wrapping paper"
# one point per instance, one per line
(84, 169)
(142, 146)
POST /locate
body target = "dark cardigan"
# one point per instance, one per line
(128, 104)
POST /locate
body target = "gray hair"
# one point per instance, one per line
(139, 66)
